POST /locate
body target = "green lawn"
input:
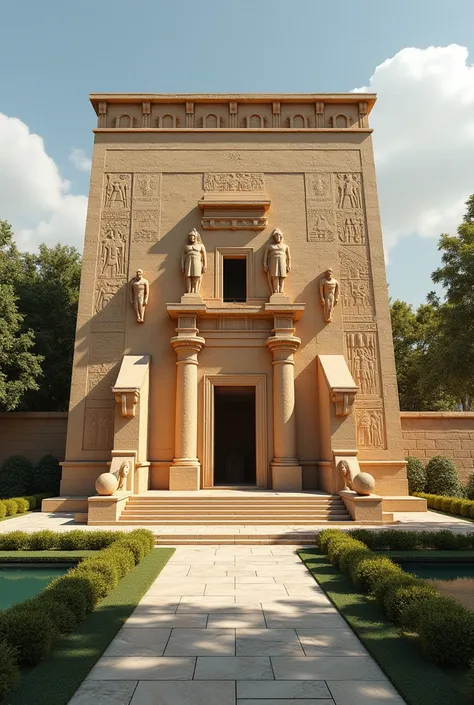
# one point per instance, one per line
(418, 681)
(56, 679)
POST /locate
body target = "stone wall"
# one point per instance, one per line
(428, 433)
(33, 434)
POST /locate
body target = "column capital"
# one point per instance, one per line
(190, 345)
(286, 344)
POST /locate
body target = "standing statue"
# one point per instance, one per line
(139, 294)
(193, 262)
(329, 294)
(277, 262)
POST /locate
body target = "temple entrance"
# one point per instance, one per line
(234, 436)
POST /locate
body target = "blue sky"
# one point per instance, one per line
(53, 53)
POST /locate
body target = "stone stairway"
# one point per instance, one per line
(234, 519)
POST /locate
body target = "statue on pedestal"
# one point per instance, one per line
(193, 262)
(329, 294)
(139, 294)
(277, 262)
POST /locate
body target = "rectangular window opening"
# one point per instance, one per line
(235, 279)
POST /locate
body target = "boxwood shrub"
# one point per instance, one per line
(16, 473)
(454, 505)
(416, 474)
(29, 629)
(442, 477)
(444, 627)
(9, 668)
(395, 540)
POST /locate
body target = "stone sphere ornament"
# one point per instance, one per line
(106, 484)
(363, 483)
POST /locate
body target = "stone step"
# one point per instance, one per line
(230, 507)
(237, 540)
(232, 522)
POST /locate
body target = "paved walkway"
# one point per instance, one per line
(236, 625)
(416, 521)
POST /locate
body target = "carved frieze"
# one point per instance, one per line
(321, 225)
(232, 182)
(361, 350)
(356, 297)
(117, 191)
(351, 227)
(370, 428)
(100, 379)
(349, 193)
(354, 264)
(234, 223)
(146, 225)
(98, 429)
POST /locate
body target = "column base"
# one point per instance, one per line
(185, 477)
(287, 478)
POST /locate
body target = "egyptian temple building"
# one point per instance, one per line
(233, 325)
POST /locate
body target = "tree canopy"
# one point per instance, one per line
(38, 309)
(434, 345)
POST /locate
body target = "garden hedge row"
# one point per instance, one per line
(453, 505)
(29, 629)
(20, 505)
(443, 627)
(395, 540)
(19, 477)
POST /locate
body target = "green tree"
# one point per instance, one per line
(457, 313)
(419, 351)
(48, 295)
(20, 367)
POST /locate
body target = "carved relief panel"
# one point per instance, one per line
(146, 188)
(361, 351)
(98, 429)
(370, 428)
(349, 191)
(117, 191)
(356, 290)
(320, 213)
(221, 182)
(100, 379)
(351, 227)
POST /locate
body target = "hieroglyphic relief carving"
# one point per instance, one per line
(146, 225)
(356, 291)
(117, 191)
(231, 182)
(351, 227)
(100, 379)
(319, 187)
(370, 428)
(321, 226)
(233, 223)
(349, 191)
(146, 187)
(362, 358)
(113, 250)
(98, 429)
(109, 294)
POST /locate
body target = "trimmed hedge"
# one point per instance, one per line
(20, 505)
(46, 475)
(16, 474)
(30, 629)
(452, 505)
(74, 540)
(444, 627)
(395, 540)
(416, 474)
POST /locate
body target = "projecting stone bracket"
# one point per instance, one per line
(343, 400)
(128, 400)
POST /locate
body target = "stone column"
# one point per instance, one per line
(186, 469)
(286, 472)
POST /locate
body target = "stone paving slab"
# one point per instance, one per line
(247, 644)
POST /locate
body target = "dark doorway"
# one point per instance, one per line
(235, 279)
(234, 436)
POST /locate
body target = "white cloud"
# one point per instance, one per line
(34, 197)
(423, 125)
(80, 160)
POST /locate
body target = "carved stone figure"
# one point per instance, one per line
(123, 474)
(139, 294)
(344, 469)
(116, 192)
(329, 294)
(277, 262)
(193, 262)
